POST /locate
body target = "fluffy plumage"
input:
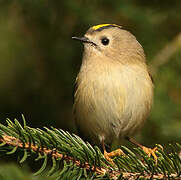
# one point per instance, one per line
(114, 90)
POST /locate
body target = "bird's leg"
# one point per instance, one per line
(148, 151)
(108, 156)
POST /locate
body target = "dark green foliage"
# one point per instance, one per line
(39, 61)
(67, 156)
(14, 172)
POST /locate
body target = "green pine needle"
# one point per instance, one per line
(80, 159)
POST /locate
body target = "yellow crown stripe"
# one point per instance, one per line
(104, 25)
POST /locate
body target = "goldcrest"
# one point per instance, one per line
(114, 90)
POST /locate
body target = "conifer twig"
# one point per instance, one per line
(10, 140)
(83, 160)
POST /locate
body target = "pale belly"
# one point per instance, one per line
(113, 108)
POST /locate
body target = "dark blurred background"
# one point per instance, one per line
(39, 61)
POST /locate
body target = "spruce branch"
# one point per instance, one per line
(82, 160)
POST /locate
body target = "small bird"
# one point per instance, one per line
(114, 90)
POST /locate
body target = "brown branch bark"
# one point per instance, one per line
(15, 142)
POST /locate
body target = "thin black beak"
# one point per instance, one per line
(84, 40)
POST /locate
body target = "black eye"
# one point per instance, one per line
(105, 41)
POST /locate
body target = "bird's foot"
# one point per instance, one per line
(151, 152)
(108, 156)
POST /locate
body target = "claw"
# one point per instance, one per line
(117, 152)
(151, 152)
